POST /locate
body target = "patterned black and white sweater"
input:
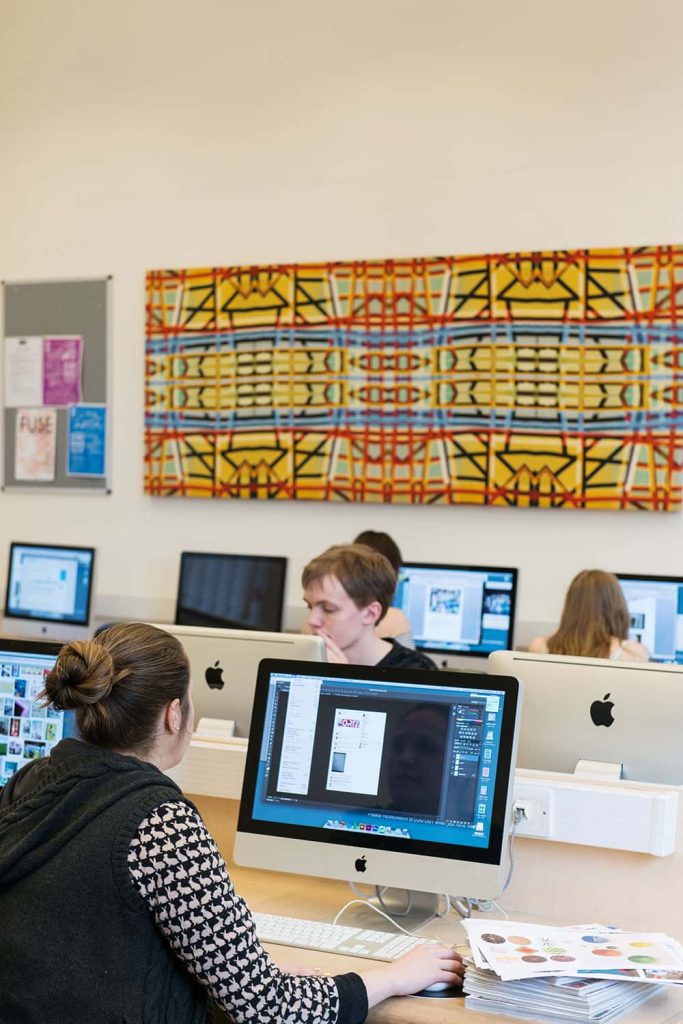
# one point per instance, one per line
(177, 869)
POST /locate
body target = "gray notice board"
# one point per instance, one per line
(53, 308)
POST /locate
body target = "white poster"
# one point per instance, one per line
(35, 444)
(23, 371)
(356, 753)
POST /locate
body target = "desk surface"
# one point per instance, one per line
(320, 899)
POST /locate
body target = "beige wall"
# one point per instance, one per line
(141, 134)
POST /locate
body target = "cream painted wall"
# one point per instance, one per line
(141, 134)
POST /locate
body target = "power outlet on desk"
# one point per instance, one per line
(536, 807)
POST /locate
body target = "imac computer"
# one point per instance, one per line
(397, 778)
(49, 590)
(28, 729)
(655, 605)
(230, 591)
(224, 664)
(458, 609)
(620, 713)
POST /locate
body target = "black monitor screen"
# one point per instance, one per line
(49, 583)
(231, 591)
(458, 609)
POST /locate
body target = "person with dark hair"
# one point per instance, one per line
(116, 901)
(348, 590)
(595, 621)
(395, 623)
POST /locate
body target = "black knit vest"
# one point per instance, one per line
(78, 944)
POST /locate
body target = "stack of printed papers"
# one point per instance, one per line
(555, 1000)
(585, 973)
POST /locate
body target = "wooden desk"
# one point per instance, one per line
(320, 899)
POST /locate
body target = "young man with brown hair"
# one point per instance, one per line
(348, 590)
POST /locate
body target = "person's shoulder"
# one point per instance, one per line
(629, 650)
(539, 645)
(401, 657)
(393, 624)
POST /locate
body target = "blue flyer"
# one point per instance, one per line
(86, 440)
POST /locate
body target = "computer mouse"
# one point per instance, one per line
(439, 986)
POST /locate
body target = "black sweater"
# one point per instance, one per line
(79, 942)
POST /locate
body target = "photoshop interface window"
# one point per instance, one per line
(382, 758)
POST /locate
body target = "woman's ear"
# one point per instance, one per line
(173, 716)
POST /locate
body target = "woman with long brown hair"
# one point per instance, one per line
(595, 621)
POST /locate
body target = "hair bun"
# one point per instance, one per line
(83, 674)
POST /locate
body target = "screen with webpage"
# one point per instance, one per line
(231, 591)
(28, 730)
(390, 760)
(49, 583)
(458, 609)
(655, 606)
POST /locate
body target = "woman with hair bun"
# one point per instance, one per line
(594, 623)
(116, 903)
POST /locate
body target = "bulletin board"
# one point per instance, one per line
(56, 384)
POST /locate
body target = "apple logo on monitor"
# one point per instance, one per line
(601, 711)
(360, 864)
(214, 677)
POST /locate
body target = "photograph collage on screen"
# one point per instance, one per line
(28, 730)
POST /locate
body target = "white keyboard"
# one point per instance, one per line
(334, 938)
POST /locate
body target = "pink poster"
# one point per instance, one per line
(62, 358)
(34, 444)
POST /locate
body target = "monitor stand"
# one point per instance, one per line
(411, 909)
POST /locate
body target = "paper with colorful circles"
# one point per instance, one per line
(516, 950)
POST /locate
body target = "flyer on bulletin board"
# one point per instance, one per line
(62, 369)
(86, 440)
(35, 444)
(23, 365)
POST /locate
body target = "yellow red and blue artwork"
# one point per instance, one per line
(534, 379)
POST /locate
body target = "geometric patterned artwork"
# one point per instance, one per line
(537, 379)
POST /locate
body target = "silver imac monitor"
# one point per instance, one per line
(28, 729)
(49, 590)
(594, 709)
(655, 605)
(224, 664)
(458, 612)
(397, 778)
(231, 591)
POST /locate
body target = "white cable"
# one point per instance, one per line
(447, 906)
(370, 906)
(464, 904)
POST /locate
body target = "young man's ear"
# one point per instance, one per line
(371, 613)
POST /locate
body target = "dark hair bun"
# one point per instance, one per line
(83, 675)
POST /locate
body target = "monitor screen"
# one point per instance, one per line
(655, 605)
(382, 767)
(458, 608)
(28, 730)
(49, 583)
(598, 709)
(231, 591)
